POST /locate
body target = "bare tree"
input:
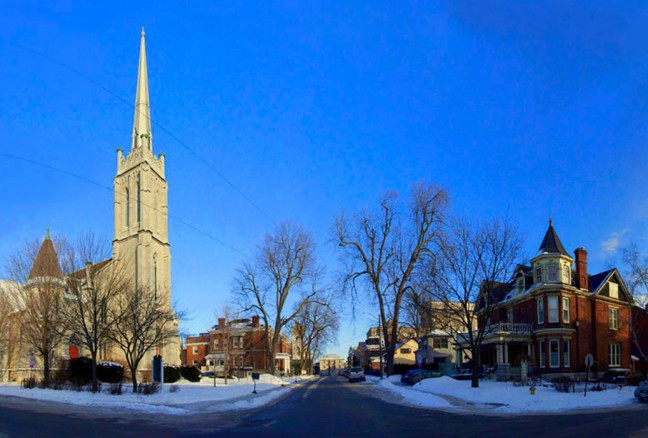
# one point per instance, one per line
(89, 294)
(476, 264)
(224, 316)
(7, 313)
(285, 262)
(141, 321)
(382, 251)
(315, 327)
(36, 268)
(636, 280)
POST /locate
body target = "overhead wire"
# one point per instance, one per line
(153, 122)
(110, 189)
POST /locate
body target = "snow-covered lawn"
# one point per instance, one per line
(499, 397)
(190, 398)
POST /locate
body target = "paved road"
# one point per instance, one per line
(330, 407)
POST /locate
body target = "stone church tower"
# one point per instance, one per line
(141, 207)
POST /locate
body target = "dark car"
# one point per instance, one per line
(208, 374)
(412, 377)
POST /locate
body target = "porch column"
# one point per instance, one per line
(500, 354)
(506, 352)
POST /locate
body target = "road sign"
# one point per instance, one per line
(589, 360)
(255, 376)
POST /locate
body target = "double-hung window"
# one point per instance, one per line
(552, 272)
(440, 343)
(614, 354)
(565, 309)
(540, 306)
(614, 318)
(542, 354)
(538, 274)
(554, 356)
(552, 304)
(566, 354)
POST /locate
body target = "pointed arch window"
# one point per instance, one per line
(139, 202)
(127, 212)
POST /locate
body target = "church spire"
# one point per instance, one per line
(142, 124)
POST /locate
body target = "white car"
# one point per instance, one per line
(356, 374)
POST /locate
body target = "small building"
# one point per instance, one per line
(331, 363)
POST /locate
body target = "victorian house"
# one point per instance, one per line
(553, 315)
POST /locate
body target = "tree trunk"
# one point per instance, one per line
(94, 371)
(475, 368)
(134, 380)
(46, 369)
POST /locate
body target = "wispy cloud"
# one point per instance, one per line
(615, 240)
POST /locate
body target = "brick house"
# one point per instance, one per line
(236, 347)
(551, 316)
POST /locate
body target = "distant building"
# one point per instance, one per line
(331, 363)
(237, 348)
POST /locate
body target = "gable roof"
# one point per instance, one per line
(46, 263)
(597, 280)
(80, 274)
(551, 243)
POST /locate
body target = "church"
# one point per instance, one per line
(140, 246)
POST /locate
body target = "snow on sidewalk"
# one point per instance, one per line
(501, 397)
(190, 398)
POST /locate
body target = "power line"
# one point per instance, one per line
(153, 122)
(110, 189)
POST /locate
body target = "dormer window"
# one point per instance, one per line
(552, 272)
(538, 274)
(520, 285)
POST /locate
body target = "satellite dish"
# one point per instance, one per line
(589, 360)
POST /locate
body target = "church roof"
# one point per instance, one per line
(551, 243)
(46, 263)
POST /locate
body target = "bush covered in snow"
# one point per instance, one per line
(563, 383)
(171, 373)
(191, 373)
(80, 371)
(110, 372)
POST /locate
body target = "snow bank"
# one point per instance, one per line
(237, 394)
(501, 397)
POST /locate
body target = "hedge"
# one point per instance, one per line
(171, 373)
(191, 373)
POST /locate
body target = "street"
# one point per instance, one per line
(327, 407)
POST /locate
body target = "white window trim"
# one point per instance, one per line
(554, 267)
(540, 310)
(195, 350)
(618, 355)
(565, 300)
(566, 354)
(557, 342)
(613, 310)
(557, 313)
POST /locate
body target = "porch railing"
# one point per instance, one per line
(516, 328)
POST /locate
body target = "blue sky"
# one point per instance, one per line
(530, 108)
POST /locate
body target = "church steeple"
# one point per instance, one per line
(142, 124)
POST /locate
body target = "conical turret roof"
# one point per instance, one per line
(46, 263)
(551, 243)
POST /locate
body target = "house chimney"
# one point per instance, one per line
(581, 268)
(255, 321)
(221, 323)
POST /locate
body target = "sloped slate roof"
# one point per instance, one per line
(551, 243)
(46, 263)
(596, 280)
(94, 269)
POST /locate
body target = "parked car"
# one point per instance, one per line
(412, 377)
(641, 393)
(464, 374)
(356, 374)
(615, 375)
(209, 374)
